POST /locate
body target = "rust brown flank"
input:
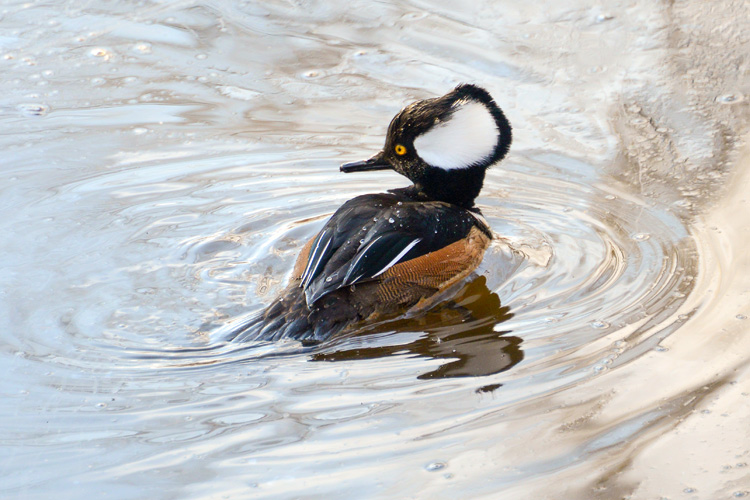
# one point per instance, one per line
(417, 280)
(299, 266)
(436, 270)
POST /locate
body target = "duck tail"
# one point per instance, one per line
(289, 317)
(286, 318)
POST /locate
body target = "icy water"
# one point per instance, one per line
(163, 163)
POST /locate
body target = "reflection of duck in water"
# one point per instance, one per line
(381, 254)
(461, 329)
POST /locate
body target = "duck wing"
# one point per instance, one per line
(371, 234)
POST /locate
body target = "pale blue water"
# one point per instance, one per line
(163, 163)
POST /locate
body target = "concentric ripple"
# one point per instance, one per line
(578, 263)
(163, 166)
(581, 277)
(601, 266)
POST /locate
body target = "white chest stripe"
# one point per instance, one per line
(480, 218)
(398, 257)
(469, 136)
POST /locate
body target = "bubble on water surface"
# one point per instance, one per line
(142, 48)
(730, 98)
(101, 52)
(33, 109)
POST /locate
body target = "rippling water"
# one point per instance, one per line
(163, 163)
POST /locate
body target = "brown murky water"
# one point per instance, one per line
(164, 162)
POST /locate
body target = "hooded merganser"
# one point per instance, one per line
(381, 254)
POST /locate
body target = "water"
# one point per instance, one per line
(163, 163)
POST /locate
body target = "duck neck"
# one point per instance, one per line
(456, 186)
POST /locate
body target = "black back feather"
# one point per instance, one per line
(371, 233)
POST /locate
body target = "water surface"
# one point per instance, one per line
(163, 163)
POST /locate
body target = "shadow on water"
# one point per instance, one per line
(462, 330)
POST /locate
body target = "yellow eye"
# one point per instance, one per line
(400, 150)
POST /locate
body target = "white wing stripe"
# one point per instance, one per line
(356, 261)
(312, 267)
(398, 257)
(310, 258)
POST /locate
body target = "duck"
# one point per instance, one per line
(386, 254)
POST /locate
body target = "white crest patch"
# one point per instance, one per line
(469, 136)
